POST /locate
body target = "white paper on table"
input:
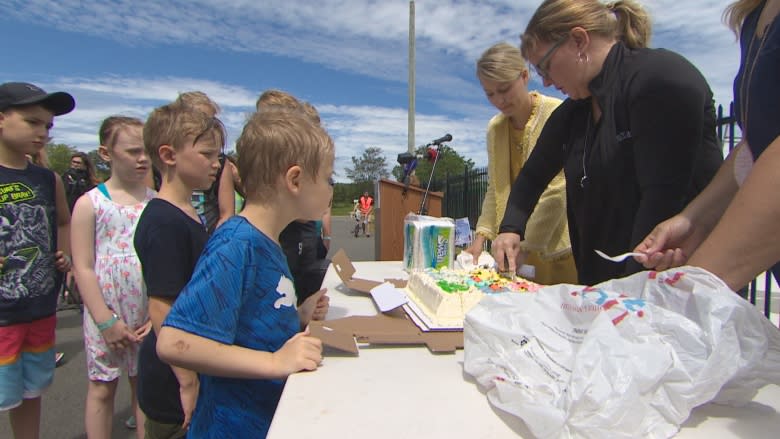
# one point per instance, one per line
(388, 297)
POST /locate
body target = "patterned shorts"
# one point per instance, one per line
(26, 360)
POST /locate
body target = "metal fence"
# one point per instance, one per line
(463, 195)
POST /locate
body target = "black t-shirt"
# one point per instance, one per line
(300, 243)
(168, 243)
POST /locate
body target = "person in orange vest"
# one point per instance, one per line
(366, 206)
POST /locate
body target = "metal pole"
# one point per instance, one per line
(411, 77)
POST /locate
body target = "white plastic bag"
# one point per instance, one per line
(627, 358)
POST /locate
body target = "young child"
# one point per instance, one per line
(236, 322)
(34, 228)
(184, 144)
(108, 271)
(216, 203)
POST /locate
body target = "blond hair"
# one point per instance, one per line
(311, 112)
(273, 98)
(272, 142)
(502, 62)
(200, 101)
(735, 13)
(624, 20)
(179, 125)
(112, 125)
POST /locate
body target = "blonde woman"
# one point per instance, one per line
(732, 227)
(511, 136)
(636, 137)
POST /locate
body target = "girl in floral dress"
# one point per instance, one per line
(108, 271)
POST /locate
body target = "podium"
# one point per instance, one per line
(394, 201)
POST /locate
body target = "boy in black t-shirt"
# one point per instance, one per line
(184, 144)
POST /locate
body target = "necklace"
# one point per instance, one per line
(585, 151)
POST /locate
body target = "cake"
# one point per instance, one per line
(446, 295)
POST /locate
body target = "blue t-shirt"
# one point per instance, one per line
(757, 84)
(241, 293)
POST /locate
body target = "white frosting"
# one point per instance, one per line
(442, 307)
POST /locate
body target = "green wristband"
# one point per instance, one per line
(108, 323)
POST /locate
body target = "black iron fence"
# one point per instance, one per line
(463, 195)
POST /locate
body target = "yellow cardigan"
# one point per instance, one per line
(547, 231)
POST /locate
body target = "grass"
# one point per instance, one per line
(341, 209)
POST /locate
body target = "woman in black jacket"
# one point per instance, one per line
(636, 138)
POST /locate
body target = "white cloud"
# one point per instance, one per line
(361, 37)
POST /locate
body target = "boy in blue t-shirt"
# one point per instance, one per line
(34, 229)
(236, 322)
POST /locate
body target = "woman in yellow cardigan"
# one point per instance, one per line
(511, 136)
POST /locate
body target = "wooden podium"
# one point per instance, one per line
(394, 201)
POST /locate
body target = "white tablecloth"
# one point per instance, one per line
(404, 392)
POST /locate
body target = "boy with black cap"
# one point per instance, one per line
(34, 230)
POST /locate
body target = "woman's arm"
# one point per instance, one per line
(746, 240)
(544, 163)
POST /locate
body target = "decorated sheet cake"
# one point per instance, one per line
(444, 296)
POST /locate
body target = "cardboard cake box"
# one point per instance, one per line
(393, 327)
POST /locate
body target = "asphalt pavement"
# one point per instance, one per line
(63, 403)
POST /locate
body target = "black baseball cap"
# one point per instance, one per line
(16, 94)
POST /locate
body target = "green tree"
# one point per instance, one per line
(448, 162)
(369, 167)
(59, 156)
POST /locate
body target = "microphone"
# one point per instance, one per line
(445, 138)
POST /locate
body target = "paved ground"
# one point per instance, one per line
(63, 403)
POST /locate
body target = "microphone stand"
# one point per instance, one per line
(423, 210)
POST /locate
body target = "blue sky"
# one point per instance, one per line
(347, 57)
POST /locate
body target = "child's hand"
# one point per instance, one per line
(322, 306)
(301, 352)
(314, 306)
(62, 261)
(188, 394)
(119, 336)
(143, 331)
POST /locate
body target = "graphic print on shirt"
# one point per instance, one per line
(286, 289)
(24, 240)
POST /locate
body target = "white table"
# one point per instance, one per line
(404, 392)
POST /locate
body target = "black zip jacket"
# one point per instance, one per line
(651, 152)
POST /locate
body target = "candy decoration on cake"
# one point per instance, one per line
(445, 296)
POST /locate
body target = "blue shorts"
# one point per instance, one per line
(26, 360)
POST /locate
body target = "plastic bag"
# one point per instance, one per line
(627, 358)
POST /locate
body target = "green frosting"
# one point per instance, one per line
(452, 287)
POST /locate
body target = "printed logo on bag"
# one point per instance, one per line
(618, 306)
(667, 278)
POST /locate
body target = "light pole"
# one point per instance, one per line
(411, 77)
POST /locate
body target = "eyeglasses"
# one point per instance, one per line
(543, 65)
